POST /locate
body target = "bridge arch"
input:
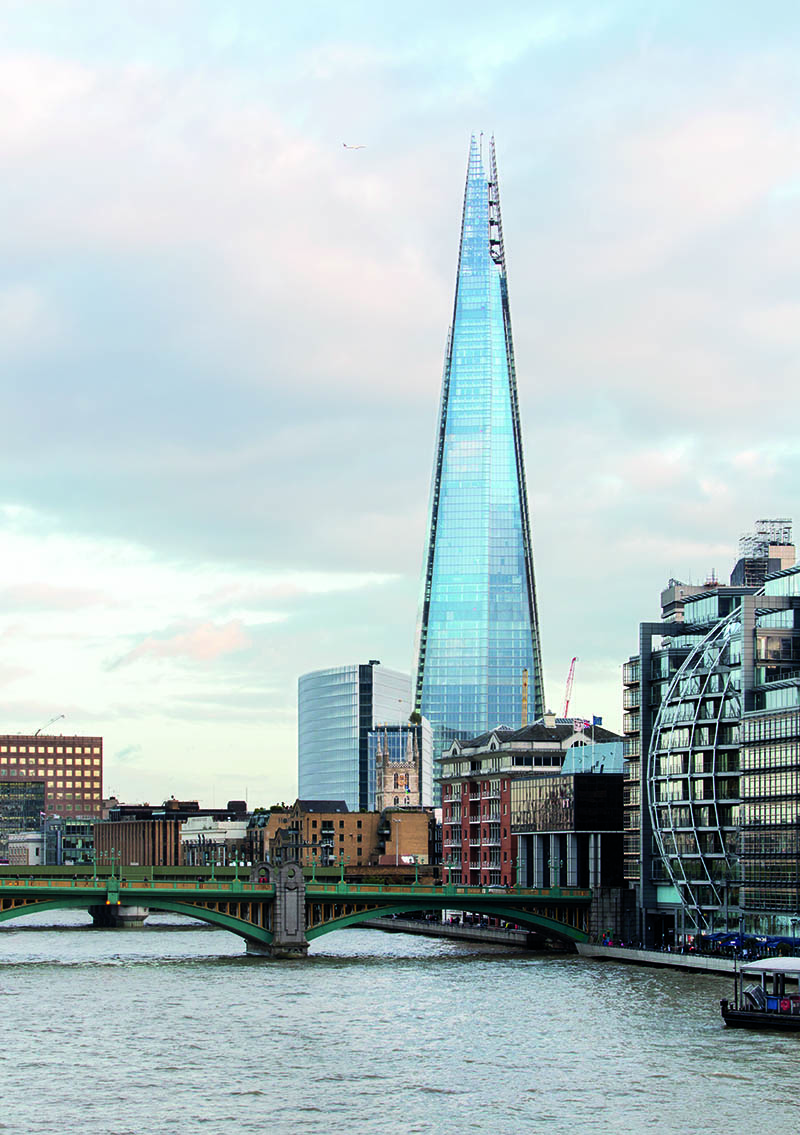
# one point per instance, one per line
(540, 923)
(247, 930)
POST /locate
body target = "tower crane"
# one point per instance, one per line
(57, 717)
(570, 680)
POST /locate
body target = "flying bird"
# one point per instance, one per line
(353, 147)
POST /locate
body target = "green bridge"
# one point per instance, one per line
(280, 911)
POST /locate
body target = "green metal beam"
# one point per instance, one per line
(227, 921)
(509, 914)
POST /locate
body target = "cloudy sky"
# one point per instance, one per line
(222, 333)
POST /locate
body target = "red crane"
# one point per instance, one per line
(570, 680)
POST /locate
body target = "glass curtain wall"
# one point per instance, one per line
(478, 628)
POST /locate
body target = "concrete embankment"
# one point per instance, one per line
(496, 937)
(656, 958)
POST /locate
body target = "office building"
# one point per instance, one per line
(71, 769)
(713, 767)
(478, 653)
(21, 808)
(140, 834)
(336, 710)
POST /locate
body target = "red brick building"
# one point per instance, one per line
(70, 767)
(478, 848)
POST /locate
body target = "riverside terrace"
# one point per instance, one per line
(277, 911)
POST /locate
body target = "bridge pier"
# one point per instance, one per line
(113, 917)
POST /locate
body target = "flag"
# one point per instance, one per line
(597, 721)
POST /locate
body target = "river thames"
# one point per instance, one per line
(174, 1029)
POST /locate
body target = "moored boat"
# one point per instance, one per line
(767, 996)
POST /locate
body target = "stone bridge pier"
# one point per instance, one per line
(114, 917)
(288, 915)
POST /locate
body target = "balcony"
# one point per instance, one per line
(631, 699)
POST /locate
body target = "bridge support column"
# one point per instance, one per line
(115, 917)
(289, 916)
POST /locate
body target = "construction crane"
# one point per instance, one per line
(570, 680)
(57, 717)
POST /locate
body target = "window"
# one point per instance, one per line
(341, 823)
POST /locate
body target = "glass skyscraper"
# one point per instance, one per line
(478, 630)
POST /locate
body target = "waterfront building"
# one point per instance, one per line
(478, 653)
(336, 709)
(329, 835)
(206, 839)
(401, 765)
(140, 834)
(712, 783)
(26, 849)
(21, 808)
(70, 767)
(68, 841)
(492, 778)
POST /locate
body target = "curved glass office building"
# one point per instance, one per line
(478, 631)
(336, 709)
(723, 767)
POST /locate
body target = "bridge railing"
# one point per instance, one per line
(234, 886)
(421, 890)
(88, 882)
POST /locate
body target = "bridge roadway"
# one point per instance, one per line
(279, 917)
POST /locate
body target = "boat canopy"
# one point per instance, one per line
(773, 965)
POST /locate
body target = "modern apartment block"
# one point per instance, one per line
(713, 766)
(337, 709)
(478, 653)
(71, 769)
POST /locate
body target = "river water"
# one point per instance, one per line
(173, 1029)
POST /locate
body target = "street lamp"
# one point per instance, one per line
(555, 864)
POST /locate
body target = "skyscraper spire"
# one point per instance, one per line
(478, 627)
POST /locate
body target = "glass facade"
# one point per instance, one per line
(478, 630)
(723, 768)
(21, 808)
(336, 710)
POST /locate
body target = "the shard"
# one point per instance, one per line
(478, 653)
